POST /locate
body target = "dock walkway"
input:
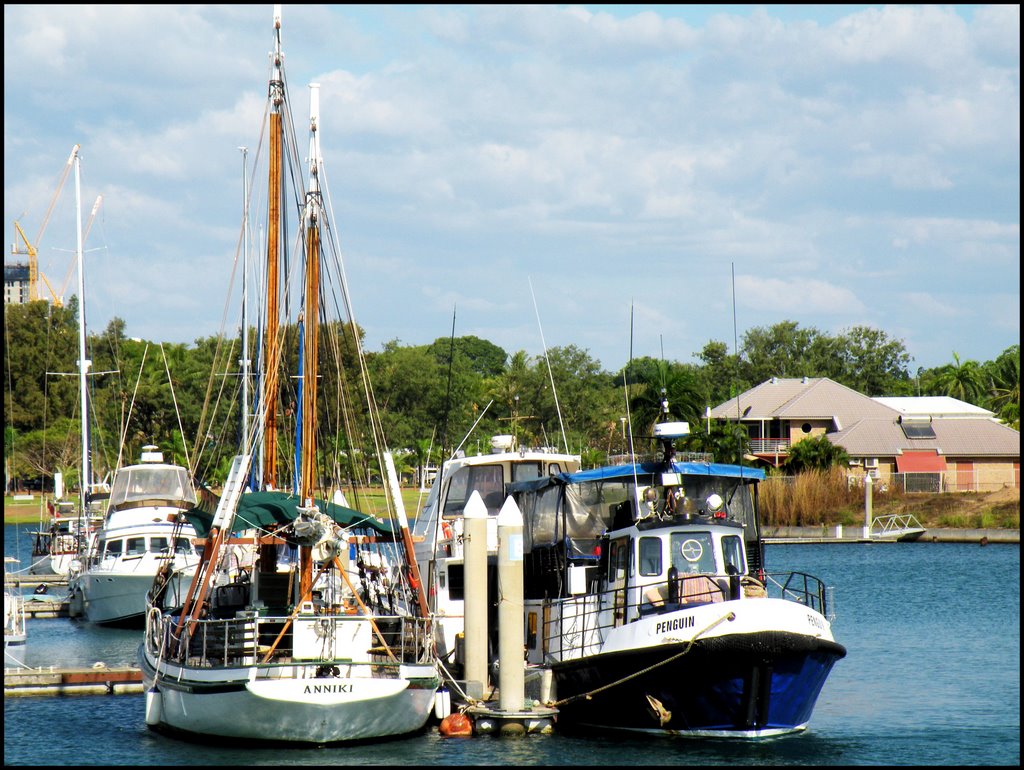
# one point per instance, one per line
(98, 680)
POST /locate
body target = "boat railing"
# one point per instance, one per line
(581, 623)
(251, 638)
(798, 587)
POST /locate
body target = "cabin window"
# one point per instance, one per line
(456, 582)
(732, 552)
(181, 545)
(650, 556)
(692, 552)
(485, 479)
(619, 558)
(158, 544)
(113, 549)
(135, 546)
(525, 471)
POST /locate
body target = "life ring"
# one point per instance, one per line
(446, 529)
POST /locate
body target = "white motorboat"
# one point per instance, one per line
(144, 531)
(439, 531)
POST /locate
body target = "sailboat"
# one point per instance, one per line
(305, 621)
(58, 544)
(142, 528)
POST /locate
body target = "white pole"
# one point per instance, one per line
(83, 363)
(867, 504)
(245, 303)
(511, 636)
(475, 548)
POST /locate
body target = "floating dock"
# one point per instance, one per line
(98, 680)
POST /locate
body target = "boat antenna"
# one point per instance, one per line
(470, 431)
(736, 353)
(448, 392)
(551, 377)
(629, 417)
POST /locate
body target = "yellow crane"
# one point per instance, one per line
(31, 250)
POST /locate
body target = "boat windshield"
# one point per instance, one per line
(165, 484)
(485, 479)
(692, 553)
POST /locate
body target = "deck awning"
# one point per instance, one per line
(920, 462)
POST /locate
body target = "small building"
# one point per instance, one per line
(926, 443)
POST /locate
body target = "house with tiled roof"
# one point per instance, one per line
(927, 442)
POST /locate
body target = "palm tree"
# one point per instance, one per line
(665, 392)
(964, 381)
(1005, 394)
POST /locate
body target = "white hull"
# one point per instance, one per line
(53, 564)
(14, 650)
(116, 593)
(287, 704)
(15, 636)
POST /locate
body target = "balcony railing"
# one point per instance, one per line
(769, 446)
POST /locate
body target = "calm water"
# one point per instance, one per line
(932, 677)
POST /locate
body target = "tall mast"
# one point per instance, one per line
(83, 362)
(311, 317)
(271, 357)
(245, 303)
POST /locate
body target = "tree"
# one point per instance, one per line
(1004, 396)
(815, 453)
(485, 358)
(721, 375)
(870, 362)
(964, 381)
(726, 442)
(665, 392)
(786, 350)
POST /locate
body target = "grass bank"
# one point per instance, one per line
(825, 498)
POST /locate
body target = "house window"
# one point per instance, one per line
(806, 427)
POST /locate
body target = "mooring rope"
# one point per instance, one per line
(689, 644)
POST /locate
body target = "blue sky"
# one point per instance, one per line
(854, 165)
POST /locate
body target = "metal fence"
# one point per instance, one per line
(929, 483)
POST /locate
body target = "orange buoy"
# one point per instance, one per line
(456, 726)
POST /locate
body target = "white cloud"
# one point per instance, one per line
(837, 159)
(796, 296)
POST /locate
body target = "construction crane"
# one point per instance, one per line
(31, 250)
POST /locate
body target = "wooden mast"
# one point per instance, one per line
(311, 319)
(271, 349)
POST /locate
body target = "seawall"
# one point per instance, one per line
(848, 534)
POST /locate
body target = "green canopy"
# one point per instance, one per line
(267, 509)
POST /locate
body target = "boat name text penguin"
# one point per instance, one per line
(674, 625)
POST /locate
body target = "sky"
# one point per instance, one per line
(627, 179)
